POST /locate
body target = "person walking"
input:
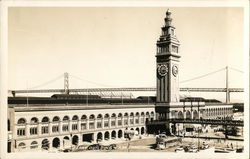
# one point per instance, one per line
(128, 146)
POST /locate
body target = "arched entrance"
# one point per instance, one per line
(120, 134)
(66, 141)
(137, 131)
(195, 115)
(99, 136)
(188, 115)
(45, 144)
(106, 135)
(180, 115)
(56, 142)
(142, 130)
(113, 134)
(75, 139)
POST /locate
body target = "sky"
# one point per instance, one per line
(116, 46)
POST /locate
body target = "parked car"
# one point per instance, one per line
(160, 146)
(193, 149)
(109, 147)
(102, 147)
(65, 150)
(94, 147)
(180, 149)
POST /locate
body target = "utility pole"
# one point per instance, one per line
(227, 89)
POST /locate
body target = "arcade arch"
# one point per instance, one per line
(56, 142)
(188, 115)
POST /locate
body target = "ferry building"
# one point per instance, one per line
(61, 121)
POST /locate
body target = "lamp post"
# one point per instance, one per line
(198, 138)
(178, 129)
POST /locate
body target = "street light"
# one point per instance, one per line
(198, 138)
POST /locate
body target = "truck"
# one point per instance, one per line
(163, 142)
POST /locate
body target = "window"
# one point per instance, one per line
(55, 128)
(126, 122)
(21, 121)
(91, 125)
(113, 123)
(21, 131)
(175, 49)
(142, 121)
(83, 126)
(34, 120)
(65, 118)
(132, 121)
(137, 121)
(56, 119)
(99, 124)
(75, 117)
(74, 127)
(119, 122)
(45, 120)
(33, 131)
(65, 128)
(45, 129)
(106, 124)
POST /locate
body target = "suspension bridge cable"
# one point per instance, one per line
(235, 69)
(89, 81)
(195, 78)
(48, 82)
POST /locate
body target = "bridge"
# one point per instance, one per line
(200, 121)
(67, 90)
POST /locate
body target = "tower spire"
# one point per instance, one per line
(168, 19)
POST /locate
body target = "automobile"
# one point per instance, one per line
(205, 146)
(239, 150)
(160, 146)
(94, 147)
(194, 149)
(109, 147)
(217, 134)
(180, 149)
(102, 147)
(65, 150)
(82, 147)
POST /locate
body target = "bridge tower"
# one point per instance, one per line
(167, 59)
(66, 83)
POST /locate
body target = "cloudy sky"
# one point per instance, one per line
(116, 46)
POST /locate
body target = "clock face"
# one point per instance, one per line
(175, 70)
(162, 70)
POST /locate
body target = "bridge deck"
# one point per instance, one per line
(125, 89)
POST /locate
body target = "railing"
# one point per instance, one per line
(199, 121)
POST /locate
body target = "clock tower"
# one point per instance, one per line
(167, 70)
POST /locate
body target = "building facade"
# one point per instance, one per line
(60, 126)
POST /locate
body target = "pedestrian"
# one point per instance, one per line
(128, 146)
(232, 145)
